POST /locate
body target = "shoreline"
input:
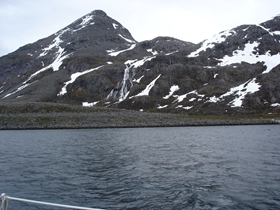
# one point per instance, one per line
(47, 115)
(130, 119)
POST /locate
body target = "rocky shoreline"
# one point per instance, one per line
(113, 119)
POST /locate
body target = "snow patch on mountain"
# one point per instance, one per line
(86, 104)
(173, 52)
(55, 64)
(245, 29)
(151, 51)
(138, 80)
(113, 53)
(239, 91)
(265, 29)
(59, 59)
(59, 54)
(146, 91)
(276, 32)
(55, 43)
(162, 107)
(184, 107)
(115, 25)
(250, 55)
(73, 78)
(126, 39)
(18, 89)
(180, 98)
(85, 22)
(210, 43)
(173, 89)
(137, 63)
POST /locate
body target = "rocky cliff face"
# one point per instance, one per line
(95, 61)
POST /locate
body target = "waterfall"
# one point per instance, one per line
(122, 90)
(124, 86)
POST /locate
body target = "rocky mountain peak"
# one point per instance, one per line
(99, 13)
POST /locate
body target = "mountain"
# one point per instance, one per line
(79, 46)
(95, 61)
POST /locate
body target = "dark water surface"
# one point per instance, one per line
(223, 167)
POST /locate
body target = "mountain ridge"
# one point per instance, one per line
(95, 61)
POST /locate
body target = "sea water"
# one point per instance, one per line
(217, 167)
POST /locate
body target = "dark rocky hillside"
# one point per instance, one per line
(95, 61)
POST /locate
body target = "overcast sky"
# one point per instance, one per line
(26, 21)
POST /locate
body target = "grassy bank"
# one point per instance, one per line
(54, 116)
